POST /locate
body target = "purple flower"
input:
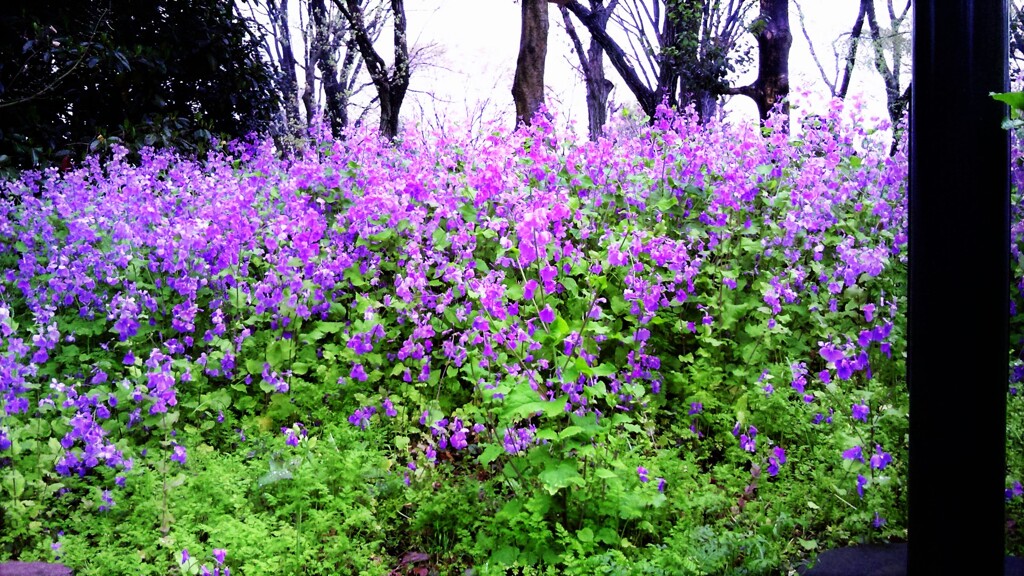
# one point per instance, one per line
(861, 482)
(108, 501)
(547, 275)
(129, 359)
(878, 522)
(184, 556)
(830, 353)
(529, 288)
(547, 315)
(855, 453)
(518, 439)
(880, 459)
(749, 443)
(358, 373)
(696, 408)
(290, 439)
(458, 439)
(179, 455)
(361, 417)
(642, 473)
(389, 408)
(661, 484)
(219, 554)
(777, 458)
(860, 412)
(1016, 490)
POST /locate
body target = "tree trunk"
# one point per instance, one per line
(327, 63)
(592, 64)
(646, 97)
(691, 46)
(391, 87)
(896, 99)
(773, 42)
(528, 85)
(288, 81)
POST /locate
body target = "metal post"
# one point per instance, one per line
(959, 282)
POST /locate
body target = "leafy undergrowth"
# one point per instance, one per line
(680, 352)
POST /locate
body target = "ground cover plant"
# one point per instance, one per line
(673, 352)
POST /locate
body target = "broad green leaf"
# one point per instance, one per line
(278, 352)
(491, 453)
(809, 544)
(505, 556)
(1014, 99)
(569, 432)
(560, 476)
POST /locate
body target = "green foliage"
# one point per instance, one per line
(130, 72)
(339, 414)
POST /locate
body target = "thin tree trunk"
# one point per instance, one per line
(528, 84)
(592, 64)
(289, 84)
(896, 99)
(327, 63)
(391, 87)
(647, 98)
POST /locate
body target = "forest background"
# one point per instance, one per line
(179, 73)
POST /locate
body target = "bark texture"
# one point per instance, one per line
(391, 84)
(528, 85)
(774, 40)
(592, 65)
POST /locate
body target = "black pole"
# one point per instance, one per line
(959, 288)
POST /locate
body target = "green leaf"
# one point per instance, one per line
(401, 442)
(809, 544)
(608, 536)
(320, 329)
(505, 556)
(552, 408)
(274, 476)
(569, 432)
(585, 535)
(560, 476)
(1013, 99)
(278, 352)
(490, 454)
(14, 483)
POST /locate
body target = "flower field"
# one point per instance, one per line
(674, 352)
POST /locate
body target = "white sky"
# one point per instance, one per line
(476, 43)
